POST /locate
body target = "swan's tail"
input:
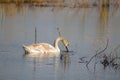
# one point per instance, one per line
(24, 46)
(26, 49)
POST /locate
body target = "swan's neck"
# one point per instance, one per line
(56, 43)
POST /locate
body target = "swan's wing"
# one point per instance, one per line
(42, 47)
(42, 50)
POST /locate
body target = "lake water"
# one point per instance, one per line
(87, 30)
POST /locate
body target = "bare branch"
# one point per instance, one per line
(97, 53)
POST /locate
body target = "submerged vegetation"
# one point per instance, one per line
(111, 60)
(66, 3)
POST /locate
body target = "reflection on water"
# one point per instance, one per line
(48, 66)
(87, 30)
(11, 9)
(103, 27)
(63, 66)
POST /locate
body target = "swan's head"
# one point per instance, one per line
(66, 43)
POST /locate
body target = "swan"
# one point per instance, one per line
(45, 48)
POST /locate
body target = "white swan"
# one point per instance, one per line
(45, 48)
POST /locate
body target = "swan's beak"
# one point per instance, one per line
(67, 48)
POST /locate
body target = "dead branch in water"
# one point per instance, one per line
(97, 53)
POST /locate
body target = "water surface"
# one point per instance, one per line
(87, 30)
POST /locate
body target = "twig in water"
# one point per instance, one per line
(35, 35)
(82, 60)
(97, 53)
(59, 31)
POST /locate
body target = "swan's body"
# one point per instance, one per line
(45, 48)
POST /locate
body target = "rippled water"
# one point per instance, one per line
(87, 30)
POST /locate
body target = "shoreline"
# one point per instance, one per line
(71, 5)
